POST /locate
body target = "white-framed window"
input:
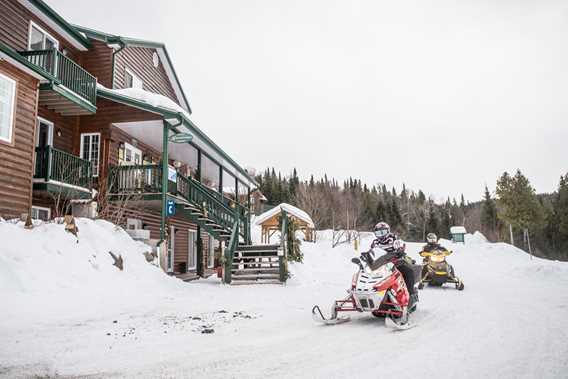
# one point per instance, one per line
(213, 243)
(132, 155)
(39, 39)
(41, 213)
(7, 105)
(131, 80)
(192, 249)
(171, 248)
(90, 149)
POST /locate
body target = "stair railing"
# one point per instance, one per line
(230, 252)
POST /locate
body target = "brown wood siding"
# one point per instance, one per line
(98, 61)
(67, 125)
(109, 112)
(139, 61)
(17, 158)
(151, 221)
(14, 28)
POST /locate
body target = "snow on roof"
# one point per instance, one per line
(150, 98)
(458, 230)
(294, 211)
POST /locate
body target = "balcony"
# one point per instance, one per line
(61, 173)
(72, 90)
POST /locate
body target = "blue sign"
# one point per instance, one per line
(170, 208)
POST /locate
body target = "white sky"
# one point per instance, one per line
(441, 95)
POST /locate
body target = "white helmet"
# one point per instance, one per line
(431, 238)
(382, 229)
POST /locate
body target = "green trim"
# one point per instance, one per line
(23, 61)
(135, 42)
(55, 188)
(69, 95)
(49, 12)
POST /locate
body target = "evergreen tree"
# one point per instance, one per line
(488, 213)
(519, 205)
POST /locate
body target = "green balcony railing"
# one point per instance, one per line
(65, 72)
(59, 166)
(136, 179)
(147, 179)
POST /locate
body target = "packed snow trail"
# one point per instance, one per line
(511, 321)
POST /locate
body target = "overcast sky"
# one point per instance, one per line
(441, 95)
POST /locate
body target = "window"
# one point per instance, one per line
(132, 155)
(209, 173)
(131, 80)
(90, 149)
(229, 182)
(192, 250)
(41, 213)
(7, 102)
(39, 39)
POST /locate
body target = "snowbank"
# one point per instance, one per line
(49, 265)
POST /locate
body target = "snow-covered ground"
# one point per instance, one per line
(66, 311)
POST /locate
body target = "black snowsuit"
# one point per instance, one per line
(402, 265)
(429, 247)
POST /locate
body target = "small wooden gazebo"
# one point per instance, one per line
(269, 221)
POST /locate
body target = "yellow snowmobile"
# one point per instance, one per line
(436, 271)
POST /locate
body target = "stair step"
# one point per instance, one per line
(249, 257)
(255, 277)
(249, 282)
(258, 247)
(255, 271)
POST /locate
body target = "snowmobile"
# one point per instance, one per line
(436, 270)
(377, 287)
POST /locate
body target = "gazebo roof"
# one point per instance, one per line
(290, 209)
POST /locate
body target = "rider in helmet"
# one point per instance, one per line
(384, 238)
(393, 246)
(432, 243)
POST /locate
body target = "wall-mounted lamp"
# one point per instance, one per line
(177, 164)
(59, 133)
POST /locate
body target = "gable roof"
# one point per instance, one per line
(111, 39)
(56, 22)
(290, 209)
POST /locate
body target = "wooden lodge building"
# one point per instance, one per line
(87, 115)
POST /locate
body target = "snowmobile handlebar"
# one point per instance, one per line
(426, 254)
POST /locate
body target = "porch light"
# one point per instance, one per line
(59, 132)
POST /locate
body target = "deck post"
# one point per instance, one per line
(164, 181)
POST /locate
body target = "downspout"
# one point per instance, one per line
(114, 52)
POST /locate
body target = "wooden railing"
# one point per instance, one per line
(135, 179)
(64, 71)
(148, 179)
(56, 165)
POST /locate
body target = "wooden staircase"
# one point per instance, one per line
(256, 264)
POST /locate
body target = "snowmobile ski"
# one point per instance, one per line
(389, 322)
(318, 316)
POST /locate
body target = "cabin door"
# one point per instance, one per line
(44, 139)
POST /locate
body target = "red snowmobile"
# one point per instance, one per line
(379, 288)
